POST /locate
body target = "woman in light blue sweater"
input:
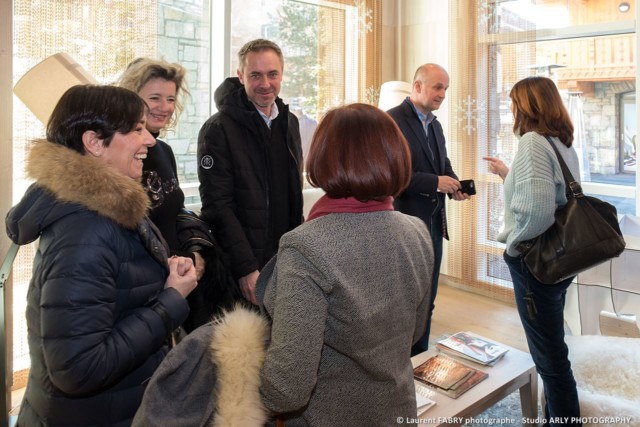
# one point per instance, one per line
(534, 188)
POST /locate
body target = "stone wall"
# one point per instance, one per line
(602, 127)
(183, 37)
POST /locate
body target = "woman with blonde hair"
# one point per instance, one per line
(162, 85)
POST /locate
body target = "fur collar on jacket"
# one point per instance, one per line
(87, 181)
(212, 378)
(238, 349)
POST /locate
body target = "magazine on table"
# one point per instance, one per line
(448, 376)
(423, 398)
(472, 347)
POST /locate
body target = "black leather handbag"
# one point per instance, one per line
(586, 233)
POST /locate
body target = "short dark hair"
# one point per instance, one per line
(358, 151)
(102, 109)
(258, 45)
(538, 107)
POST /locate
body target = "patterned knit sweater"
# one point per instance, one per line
(534, 188)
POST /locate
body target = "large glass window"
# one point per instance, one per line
(329, 49)
(628, 131)
(588, 49)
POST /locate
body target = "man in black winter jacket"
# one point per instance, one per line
(250, 164)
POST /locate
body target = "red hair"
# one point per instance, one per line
(358, 151)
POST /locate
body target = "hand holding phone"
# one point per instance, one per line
(467, 187)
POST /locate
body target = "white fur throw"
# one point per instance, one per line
(607, 370)
(238, 349)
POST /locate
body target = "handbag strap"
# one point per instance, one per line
(572, 187)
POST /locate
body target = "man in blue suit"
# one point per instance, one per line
(433, 176)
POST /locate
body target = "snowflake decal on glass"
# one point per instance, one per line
(488, 15)
(372, 95)
(365, 18)
(471, 114)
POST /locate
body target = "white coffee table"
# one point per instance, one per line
(515, 371)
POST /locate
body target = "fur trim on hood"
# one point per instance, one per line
(87, 181)
(212, 377)
(238, 347)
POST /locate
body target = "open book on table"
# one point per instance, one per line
(472, 347)
(448, 376)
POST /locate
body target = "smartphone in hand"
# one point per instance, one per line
(468, 187)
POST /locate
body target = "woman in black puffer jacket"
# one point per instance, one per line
(104, 296)
(163, 87)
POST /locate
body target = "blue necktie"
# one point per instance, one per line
(426, 132)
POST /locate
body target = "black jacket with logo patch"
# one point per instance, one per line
(233, 169)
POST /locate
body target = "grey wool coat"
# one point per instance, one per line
(348, 295)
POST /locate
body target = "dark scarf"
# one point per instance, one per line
(326, 205)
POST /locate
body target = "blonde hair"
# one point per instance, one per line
(141, 70)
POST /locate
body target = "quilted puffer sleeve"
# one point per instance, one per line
(95, 322)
